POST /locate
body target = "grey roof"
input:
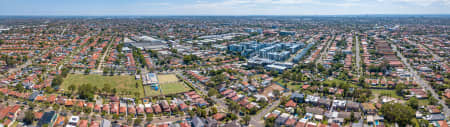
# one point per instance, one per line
(211, 122)
(105, 123)
(281, 120)
(297, 95)
(47, 118)
(115, 125)
(436, 117)
(198, 122)
(232, 124)
(33, 96)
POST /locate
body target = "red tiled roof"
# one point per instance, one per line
(219, 116)
(300, 124)
(290, 122)
(38, 115)
(83, 123)
(94, 124)
(291, 103)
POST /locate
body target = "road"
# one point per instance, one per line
(323, 54)
(358, 57)
(256, 120)
(221, 104)
(64, 30)
(29, 62)
(100, 64)
(424, 84)
(437, 57)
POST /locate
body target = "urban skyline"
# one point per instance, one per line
(223, 7)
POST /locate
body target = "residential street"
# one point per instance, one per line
(257, 120)
(424, 84)
(358, 57)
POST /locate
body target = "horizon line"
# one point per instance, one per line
(125, 15)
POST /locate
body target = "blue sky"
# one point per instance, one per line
(222, 7)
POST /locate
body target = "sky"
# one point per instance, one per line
(221, 7)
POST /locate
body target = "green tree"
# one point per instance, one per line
(72, 88)
(57, 81)
(149, 118)
(399, 88)
(269, 122)
(233, 116)
(29, 117)
(137, 121)
(276, 93)
(106, 88)
(65, 72)
(86, 91)
(432, 100)
(398, 113)
(19, 87)
(212, 92)
(246, 119)
(413, 103)
(87, 71)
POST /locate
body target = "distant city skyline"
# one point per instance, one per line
(222, 7)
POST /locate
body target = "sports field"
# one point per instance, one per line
(123, 83)
(169, 84)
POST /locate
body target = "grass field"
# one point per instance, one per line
(169, 84)
(290, 85)
(383, 92)
(121, 83)
(169, 78)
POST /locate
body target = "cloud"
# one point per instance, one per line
(424, 3)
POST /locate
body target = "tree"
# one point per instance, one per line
(246, 119)
(137, 121)
(72, 88)
(212, 92)
(398, 113)
(64, 72)
(114, 91)
(106, 88)
(105, 71)
(423, 123)
(29, 117)
(57, 81)
(399, 88)
(352, 116)
(413, 103)
(270, 122)
(432, 100)
(214, 110)
(86, 91)
(149, 117)
(233, 116)
(276, 93)
(87, 71)
(20, 87)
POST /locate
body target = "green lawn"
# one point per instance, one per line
(384, 92)
(423, 102)
(120, 82)
(168, 88)
(290, 85)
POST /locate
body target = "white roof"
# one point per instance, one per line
(74, 119)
